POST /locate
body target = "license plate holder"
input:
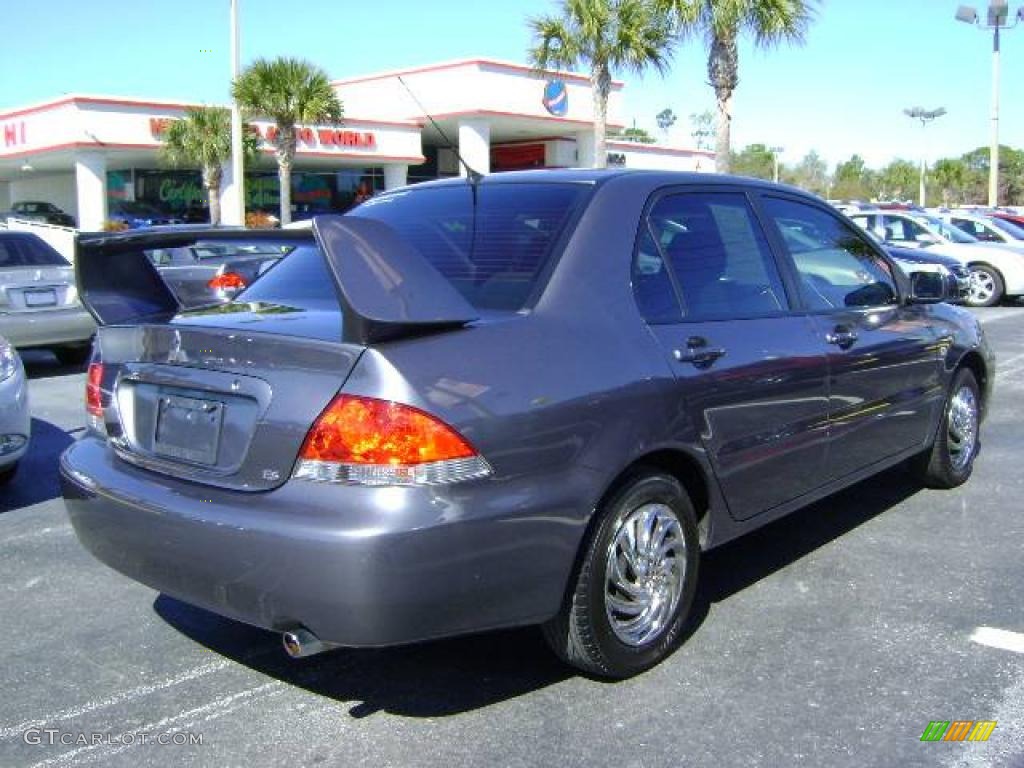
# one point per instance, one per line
(188, 428)
(44, 297)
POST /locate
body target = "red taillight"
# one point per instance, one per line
(93, 394)
(227, 281)
(377, 442)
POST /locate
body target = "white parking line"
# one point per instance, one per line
(117, 698)
(1002, 639)
(101, 750)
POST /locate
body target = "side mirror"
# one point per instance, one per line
(927, 288)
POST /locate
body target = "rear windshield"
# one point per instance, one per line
(300, 280)
(496, 259)
(206, 252)
(28, 251)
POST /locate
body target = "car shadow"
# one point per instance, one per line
(743, 562)
(448, 677)
(432, 679)
(37, 478)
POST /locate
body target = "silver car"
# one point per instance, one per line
(14, 415)
(39, 304)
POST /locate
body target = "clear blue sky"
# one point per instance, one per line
(844, 92)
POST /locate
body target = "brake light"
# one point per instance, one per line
(366, 441)
(231, 281)
(94, 397)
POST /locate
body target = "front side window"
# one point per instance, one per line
(841, 269)
(718, 255)
(977, 229)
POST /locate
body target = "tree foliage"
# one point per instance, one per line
(202, 140)
(720, 23)
(289, 92)
(604, 35)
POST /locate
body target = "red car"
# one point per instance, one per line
(1011, 217)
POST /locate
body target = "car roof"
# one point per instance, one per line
(600, 176)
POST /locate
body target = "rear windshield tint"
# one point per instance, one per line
(300, 279)
(28, 251)
(496, 259)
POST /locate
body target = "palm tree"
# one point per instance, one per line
(203, 139)
(720, 22)
(606, 35)
(288, 91)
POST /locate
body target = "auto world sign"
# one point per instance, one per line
(305, 135)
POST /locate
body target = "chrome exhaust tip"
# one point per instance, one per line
(300, 643)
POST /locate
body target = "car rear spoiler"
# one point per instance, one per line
(387, 289)
(118, 284)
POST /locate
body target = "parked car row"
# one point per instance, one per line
(536, 398)
(996, 268)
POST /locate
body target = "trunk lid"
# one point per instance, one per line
(226, 404)
(34, 289)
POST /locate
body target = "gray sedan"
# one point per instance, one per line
(14, 414)
(534, 398)
(39, 304)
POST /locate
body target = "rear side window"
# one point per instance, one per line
(24, 251)
(300, 279)
(497, 252)
(837, 267)
(718, 255)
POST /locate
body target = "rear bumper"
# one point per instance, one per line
(357, 566)
(48, 327)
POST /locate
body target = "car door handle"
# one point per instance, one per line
(698, 352)
(841, 336)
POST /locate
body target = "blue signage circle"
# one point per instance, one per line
(556, 98)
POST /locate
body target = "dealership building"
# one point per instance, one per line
(91, 154)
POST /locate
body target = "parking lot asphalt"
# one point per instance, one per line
(829, 638)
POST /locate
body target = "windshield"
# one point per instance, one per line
(1013, 230)
(496, 259)
(948, 231)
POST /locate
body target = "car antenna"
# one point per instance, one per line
(475, 177)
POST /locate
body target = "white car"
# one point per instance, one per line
(988, 229)
(997, 269)
(14, 414)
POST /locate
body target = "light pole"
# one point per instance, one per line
(925, 116)
(776, 151)
(997, 19)
(237, 213)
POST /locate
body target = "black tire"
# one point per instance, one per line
(582, 633)
(944, 465)
(76, 355)
(987, 286)
(7, 474)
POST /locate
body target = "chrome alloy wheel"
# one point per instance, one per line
(962, 427)
(981, 287)
(644, 574)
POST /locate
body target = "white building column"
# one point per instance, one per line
(475, 145)
(585, 149)
(91, 190)
(229, 207)
(395, 176)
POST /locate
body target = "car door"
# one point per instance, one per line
(750, 373)
(884, 364)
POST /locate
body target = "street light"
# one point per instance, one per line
(997, 19)
(925, 116)
(776, 151)
(237, 214)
